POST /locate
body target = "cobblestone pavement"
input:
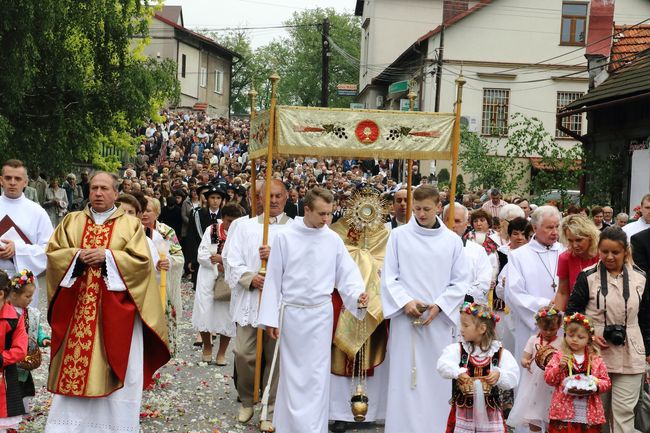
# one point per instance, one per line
(189, 396)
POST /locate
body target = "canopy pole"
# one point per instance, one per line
(265, 234)
(460, 82)
(409, 171)
(252, 96)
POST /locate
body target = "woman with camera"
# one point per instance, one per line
(612, 294)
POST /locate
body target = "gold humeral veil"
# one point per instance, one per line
(368, 252)
(91, 326)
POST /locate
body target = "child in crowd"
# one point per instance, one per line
(479, 366)
(534, 395)
(578, 374)
(14, 340)
(22, 290)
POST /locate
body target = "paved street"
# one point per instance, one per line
(189, 397)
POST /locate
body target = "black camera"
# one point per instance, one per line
(615, 334)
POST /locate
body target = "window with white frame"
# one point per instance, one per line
(495, 112)
(203, 79)
(218, 81)
(572, 122)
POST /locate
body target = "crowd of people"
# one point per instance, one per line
(525, 315)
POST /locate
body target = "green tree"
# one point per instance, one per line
(460, 184)
(71, 80)
(443, 176)
(478, 158)
(301, 82)
(243, 69)
(297, 59)
(562, 169)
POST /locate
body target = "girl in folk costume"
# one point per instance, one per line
(14, 340)
(479, 366)
(534, 395)
(22, 291)
(211, 311)
(578, 374)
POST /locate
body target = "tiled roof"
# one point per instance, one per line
(627, 43)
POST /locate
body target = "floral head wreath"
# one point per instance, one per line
(581, 319)
(22, 279)
(548, 311)
(475, 310)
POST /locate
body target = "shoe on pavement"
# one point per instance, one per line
(266, 426)
(207, 355)
(339, 427)
(245, 414)
(221, 361)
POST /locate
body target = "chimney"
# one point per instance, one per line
(452, 8)
(599, 39)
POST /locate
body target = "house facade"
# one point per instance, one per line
(618, 111)
(518, 56)
(204, 67)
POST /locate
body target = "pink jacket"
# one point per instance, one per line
(562, 404)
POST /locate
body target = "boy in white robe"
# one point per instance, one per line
(307, 260)
(425, 266)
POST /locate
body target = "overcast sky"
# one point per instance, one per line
(219, 14)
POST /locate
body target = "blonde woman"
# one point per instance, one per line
(580, 236)
(156, 230)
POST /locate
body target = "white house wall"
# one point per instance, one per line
(630, 11)
(506, 37)
(189, 84)
(394, 26)
(162, 42)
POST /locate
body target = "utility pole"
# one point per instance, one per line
(325, 82)
(439, 69)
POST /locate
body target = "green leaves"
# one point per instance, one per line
(512, 170)
(297, 59)
(478, 157)
(71, 82)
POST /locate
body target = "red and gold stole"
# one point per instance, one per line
(82, 335)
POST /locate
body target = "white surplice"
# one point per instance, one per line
(120, 410)
(481, 269)
(242, 262)
(34, 222)
(304, 267)
(530, 275)
(428, 265)
(209, 315)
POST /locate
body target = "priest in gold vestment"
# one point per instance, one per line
(109, 334)
(365, 236)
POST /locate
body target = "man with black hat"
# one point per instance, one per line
(200, 220)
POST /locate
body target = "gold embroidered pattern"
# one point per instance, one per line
(78, 349)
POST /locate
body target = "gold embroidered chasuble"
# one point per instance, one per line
(92, 326)
(349, 335)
